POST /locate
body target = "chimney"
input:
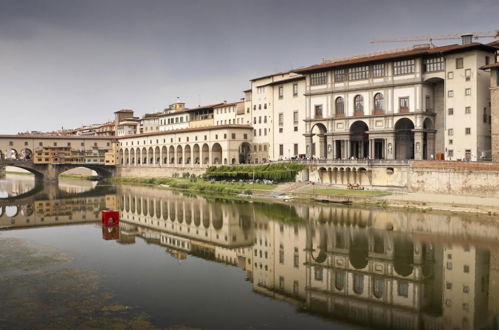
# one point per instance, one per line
(466, 38)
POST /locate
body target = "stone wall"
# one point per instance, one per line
(494, 99)
(467, 178)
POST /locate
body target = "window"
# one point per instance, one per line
(295, 117)
(233, 136)
(295, 89)
(318, 273)
(378, 103)
(450, 111)
(450, 93)
(403, 289)
(281, 254)
(404, 104)
(281, 92)
(358, 283)
(451, 141)
(318, 111)
(295, 287)
(318, 78)
(467, 74)
(358, 73)
(403, 67)
(281, 150)
(264, 119)
(450, 75)
(450, 132)
(428, 103)
(281, 282)
(295, 129)
(459, 63)
(467, 131)
(467, 91)
(434, 64)
(339, 106)
(296, 259)
(467, 110)
(378, 287)
(339, 75)
(281, 130)
(295, 149)
(466, 289)
(450, 153)
(281, 119)
(378, 70)
(339, 280)
(358, 103)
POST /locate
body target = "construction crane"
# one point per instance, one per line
(472, 35)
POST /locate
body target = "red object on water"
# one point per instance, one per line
(110, 233)
(110, 218)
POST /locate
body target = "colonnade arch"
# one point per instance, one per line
(189, 212)
(184, 154)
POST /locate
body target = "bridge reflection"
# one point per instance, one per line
(337, 262)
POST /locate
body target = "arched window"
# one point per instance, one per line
(358, 103)
(379, 103)
(339, 106)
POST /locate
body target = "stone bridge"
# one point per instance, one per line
(51, 172)
(51, 191)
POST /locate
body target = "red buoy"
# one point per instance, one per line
(110, 218)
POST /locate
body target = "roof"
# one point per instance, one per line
(494, 43)
(211, 106)
(60, 137)
(185, 130)
(271, 75)
(228, 104)
(247, 90)
(396, 55)
(284, 81)
(124, 111)
(490, 66)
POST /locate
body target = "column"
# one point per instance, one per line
(348, 149)
(371, 149)
(308, 144)
(418, 145)
(430, 145)
(390, 147)
(331, 147)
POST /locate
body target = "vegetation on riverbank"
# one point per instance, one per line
(345, 192)
(198, 185)
(277, 172)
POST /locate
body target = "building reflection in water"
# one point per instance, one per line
(371, 267)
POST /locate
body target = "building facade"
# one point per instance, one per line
(420, 103)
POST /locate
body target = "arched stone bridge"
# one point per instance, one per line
(51, 172)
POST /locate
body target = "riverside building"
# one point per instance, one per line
(423, 102)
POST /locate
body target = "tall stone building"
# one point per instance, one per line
(415, 103)
(494, 108)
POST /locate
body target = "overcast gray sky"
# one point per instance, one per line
(68, 62)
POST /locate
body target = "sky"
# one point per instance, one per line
(67, 63)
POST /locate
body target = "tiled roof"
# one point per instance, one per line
(490, 66)
(124, 111)
(228, 104)
(190, 129)
(211, 106)
(395, 55)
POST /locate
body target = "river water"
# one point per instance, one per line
(180, 261)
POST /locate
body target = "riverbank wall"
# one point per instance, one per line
(443, 177)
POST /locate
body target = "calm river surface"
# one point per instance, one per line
(179, 261)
